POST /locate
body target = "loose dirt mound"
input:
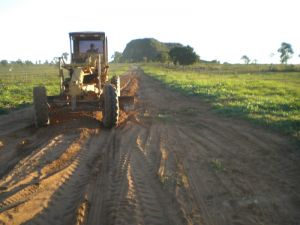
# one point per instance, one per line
(170, 161)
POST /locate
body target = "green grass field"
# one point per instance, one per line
(17, 82)
(267, 98)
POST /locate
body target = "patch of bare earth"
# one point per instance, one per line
(170, 161)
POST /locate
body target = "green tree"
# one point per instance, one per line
(28, 62)
(286, 52)
(183, 55)
(4, 62)
(246, 59)
(19, 61)
(117, 57)
(163, 57)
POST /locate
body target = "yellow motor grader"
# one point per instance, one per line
(85, 87)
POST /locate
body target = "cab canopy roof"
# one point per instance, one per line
(87, 34)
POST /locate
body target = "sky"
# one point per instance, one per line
(223, 30)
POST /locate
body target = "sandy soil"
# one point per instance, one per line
(170, 161)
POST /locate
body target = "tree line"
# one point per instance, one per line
(5, 62)
(54, 61)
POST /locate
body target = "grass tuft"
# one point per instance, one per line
(217, 165)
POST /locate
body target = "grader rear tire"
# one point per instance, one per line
(115, 80)
(111, 106)
(41, 111)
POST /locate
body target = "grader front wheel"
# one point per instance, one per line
(115, 80)
(111, 106)
(41, 111)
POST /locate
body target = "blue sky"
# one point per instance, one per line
(217, 29)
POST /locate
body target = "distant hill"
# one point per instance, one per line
(145, 49)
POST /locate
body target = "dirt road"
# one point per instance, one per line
(170, 161)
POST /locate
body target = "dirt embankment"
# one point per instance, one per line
(170, 161)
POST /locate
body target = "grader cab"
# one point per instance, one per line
(85, 86)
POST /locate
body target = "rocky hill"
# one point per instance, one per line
(146, 49)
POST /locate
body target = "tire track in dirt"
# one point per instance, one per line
(130, 186)
(18, 145)
(44, 170)
(73, 204)
(49, 177)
